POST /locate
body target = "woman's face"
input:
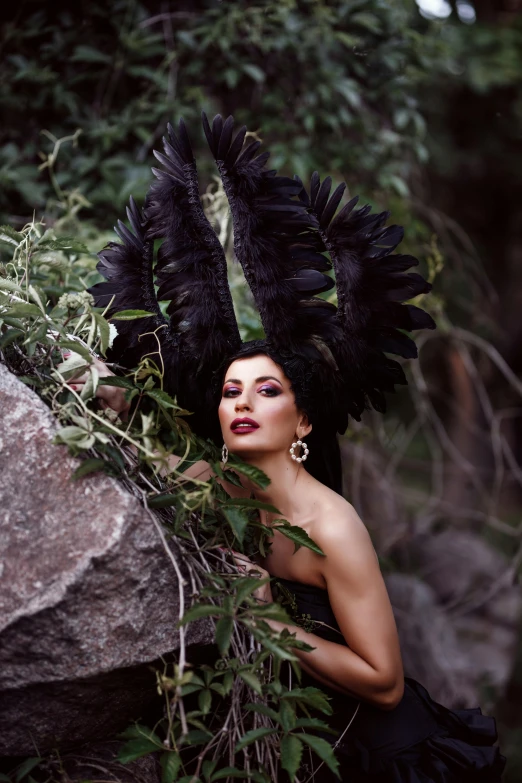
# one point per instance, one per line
(257, 411)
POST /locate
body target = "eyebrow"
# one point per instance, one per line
(257, 380)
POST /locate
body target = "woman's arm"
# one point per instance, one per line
(370, 667)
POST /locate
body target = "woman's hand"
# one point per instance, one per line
(109, 396)
(248, 568)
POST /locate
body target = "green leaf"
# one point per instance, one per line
(200, 610)
(346, 39)
(162, 501)
(296, 534)
(224, 628)
(278, 651)
(291, 754)
(116, 380)
(88, 466)
(197, 737)
(24, 309)
(262, 709)
(253, 736)
(286, 715)
(237, 520)
(254, 71)
(400, 185)
(75, 437)
(62, 243)
(256, 475)
(137, 731)
(38, 297)
(130, 315)
(368, 21)
(76, 347)
(189, 688)
(251, 680)
(251, 503)
(315, 723)
(323, 749)
(205, 700)
(10, 337)
(9, 235)
(136, 748)
(10, 285)
(208, 768)
(244, 586)
(231, 772)
(228, 681)
(216, 468)
(87, 54)
(170, 764)
(16, 322)
(104, 330)
(314, 697)
(162, 397)
(270, 611)
(74, 365)
(31, 380)
(26, 767)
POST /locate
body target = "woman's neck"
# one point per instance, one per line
(288, 488)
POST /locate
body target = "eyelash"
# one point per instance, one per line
(275, 392)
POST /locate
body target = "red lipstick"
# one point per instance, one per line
(242, 426)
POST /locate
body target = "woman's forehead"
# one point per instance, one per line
(254, 366)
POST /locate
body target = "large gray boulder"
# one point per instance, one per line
(474, 583)
(431, 650)
(89, 598)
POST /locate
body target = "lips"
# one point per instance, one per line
(243, 426)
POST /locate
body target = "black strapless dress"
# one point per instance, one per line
(419, 741)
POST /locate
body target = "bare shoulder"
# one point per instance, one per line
(339, 529)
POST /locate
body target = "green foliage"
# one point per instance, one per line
(337, 86)
(332, 86)
(49, 333)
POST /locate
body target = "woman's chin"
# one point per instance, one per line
(250, 451)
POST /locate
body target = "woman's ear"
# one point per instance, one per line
(304, 427)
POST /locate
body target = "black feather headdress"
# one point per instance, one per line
(190, 272)
(291, 244)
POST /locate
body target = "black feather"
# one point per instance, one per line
(191, 269)
(274, 239)
(129, 285)
(372, 285)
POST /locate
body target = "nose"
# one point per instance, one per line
(242, 403)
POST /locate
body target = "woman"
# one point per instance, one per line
(398, 732)
(279, 403)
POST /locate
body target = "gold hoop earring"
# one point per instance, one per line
(305, 451)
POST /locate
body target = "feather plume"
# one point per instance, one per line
(191, 274)
(274, 240)
(372, 284)
(129, 285)
(191, 268)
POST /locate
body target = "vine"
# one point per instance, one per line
(239, 716)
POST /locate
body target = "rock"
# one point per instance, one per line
(431, 651)
(88, 597)
(472, 585)
(99, 763)
(464, 569)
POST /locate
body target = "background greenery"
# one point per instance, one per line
(421, 116)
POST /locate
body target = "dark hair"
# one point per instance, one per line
(324, 460)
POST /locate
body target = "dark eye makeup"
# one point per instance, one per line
(269, 391)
